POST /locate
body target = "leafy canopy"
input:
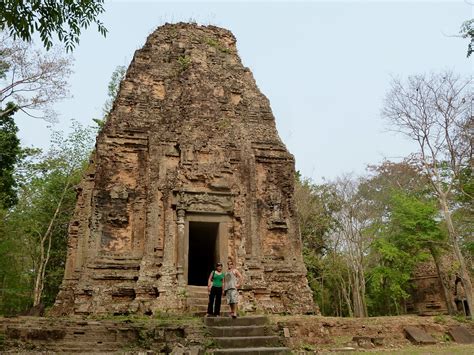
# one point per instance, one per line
(65, 18)
(467, 31)
(9, 153)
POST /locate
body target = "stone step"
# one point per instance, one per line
(198, 295)
(224, 314)
(197, 301)
(197, 308)
(197, 289)
(253, 351)
(239, 331)
(247, 342)
(239, 321)
(77, 346)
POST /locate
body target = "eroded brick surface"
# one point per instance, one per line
(190, 140)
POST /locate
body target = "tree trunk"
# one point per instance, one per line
(463, 272)
(357, 295)
(362, 291)
(345, 294)
(45, 254)
(441, 275)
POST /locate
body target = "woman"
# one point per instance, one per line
(214, 289)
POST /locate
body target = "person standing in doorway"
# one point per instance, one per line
(232, 281)
(214, 289)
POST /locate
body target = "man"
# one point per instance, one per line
(232, 281)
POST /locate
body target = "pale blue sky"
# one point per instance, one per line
(325, 67)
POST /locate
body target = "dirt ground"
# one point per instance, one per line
(315, 334)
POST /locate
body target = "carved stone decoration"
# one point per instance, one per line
(210, 202)
(188, 170)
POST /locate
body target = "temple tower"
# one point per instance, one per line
(188, 170)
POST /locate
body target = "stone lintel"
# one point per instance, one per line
(211, 202)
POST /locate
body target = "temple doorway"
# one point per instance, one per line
(203, 251)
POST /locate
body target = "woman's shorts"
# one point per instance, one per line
(232, 296)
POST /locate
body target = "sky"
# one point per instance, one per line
(325, 67)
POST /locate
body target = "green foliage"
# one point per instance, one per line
(388, 282)
(327, 276)
(112, 92)
(399, 225)
(407, 238)
(463, 215)
(113, 88)
(64, 18)
(184, 63)
(307, 347)
(43, 179)
(414, 222)
(9, 155)
(4, 65)
(461, 318)
(15, 278)
(316, 205)
(216, 44)
(467, 31)
(145, 338)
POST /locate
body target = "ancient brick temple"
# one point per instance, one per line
(188, 170)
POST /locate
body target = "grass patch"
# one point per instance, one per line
(216, 44)
(462, 319)
(307, 347)
(440, 319)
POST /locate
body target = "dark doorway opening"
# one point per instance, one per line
(202, 251)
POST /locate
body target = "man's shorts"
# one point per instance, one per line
(232, 296)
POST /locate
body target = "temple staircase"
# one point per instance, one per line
(243, 335)
(197, 299)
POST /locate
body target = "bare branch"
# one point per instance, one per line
(33, 80)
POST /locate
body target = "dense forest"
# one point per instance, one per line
(363, 236)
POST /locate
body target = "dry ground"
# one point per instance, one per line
(330, 334)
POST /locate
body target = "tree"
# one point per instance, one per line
(46, 202)
(315, 207)
(30, 79)
(15, 280)
(64, 166)
(467, 31)
(436, 112)
(113, 88)
(411, 234)
(385, 187)
(9, 154)
(112, 91)
(64, 18)
(333, 220)
(354, 219)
